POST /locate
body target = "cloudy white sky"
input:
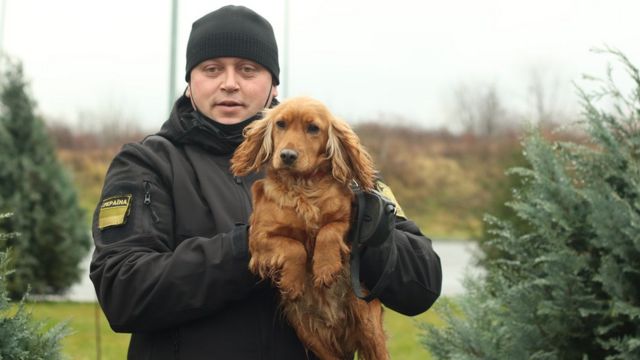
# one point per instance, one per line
(366, 59)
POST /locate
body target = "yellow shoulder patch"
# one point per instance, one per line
(114, 211)
(386, 192)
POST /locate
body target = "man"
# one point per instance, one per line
(171, 258)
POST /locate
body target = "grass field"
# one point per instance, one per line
(403, 332)
(80, 344)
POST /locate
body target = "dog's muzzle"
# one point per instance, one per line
(288, 156)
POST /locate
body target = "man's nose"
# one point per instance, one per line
(288, 156)
(229, 82)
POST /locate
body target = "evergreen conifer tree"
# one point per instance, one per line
(567, 285)
(20, 336)
(54, 238)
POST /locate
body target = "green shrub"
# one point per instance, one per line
(54, 236)
(566, 285)
(20, 336)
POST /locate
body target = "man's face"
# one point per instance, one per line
(230, 90)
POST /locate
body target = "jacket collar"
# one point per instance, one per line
(189, 127)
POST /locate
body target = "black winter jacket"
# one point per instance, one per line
(171, 264)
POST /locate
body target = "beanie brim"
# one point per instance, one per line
(233, 45)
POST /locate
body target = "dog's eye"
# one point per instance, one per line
(281, 124)
(313, 129)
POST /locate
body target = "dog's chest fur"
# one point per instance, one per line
(320, 310)
(308, 206)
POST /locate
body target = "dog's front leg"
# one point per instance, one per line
(329, 251)
(282, 259)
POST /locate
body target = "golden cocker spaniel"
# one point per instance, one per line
(301, 217)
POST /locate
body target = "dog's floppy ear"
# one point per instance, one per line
(349, 160)
(256, 148)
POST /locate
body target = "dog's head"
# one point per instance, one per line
(301, 136)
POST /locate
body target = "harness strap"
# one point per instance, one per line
(370, 214)
(356, 247)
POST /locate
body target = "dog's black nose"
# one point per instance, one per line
(288, 156)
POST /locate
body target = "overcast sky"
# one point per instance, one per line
(366, 59)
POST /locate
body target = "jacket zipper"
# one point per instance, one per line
(147, 200)
(245, 196)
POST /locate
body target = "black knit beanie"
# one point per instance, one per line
(233, 31)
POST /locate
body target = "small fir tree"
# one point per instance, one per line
(566, 285)
(34, 185)
(501, 190)
(20, 336)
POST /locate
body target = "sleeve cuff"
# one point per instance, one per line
(240, 242)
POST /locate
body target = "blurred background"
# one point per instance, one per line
(368, 60)
(439, 92)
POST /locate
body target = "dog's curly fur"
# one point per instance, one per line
(299, 225)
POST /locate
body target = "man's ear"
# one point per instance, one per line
(187, 91)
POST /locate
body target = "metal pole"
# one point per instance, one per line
(96, 311)
(285, 52)
(172, 53)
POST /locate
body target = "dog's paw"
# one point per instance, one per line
(263, 267)
(291, 291)
(325, 274)
(291, 285)
(255, 266)
(292, 281)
